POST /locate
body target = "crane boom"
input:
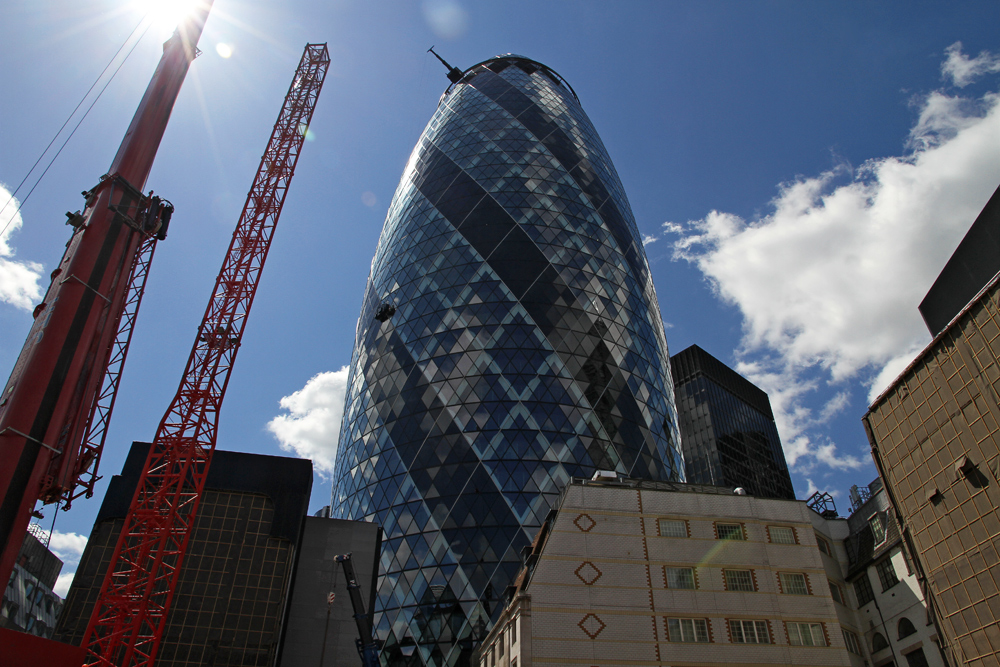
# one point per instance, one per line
(47, 405)
(367, 648)
(131, 610)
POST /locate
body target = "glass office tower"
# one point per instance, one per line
(728, 429)
(509, 340)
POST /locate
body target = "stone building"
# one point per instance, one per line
(629, 572)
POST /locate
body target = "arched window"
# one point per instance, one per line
(879, 643)
(905, 628)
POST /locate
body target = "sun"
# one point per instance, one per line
(166, 14)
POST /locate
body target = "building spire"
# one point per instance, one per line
(454, 74)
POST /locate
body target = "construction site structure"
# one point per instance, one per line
(55, 408)
(128, 620)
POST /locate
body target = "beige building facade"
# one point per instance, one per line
(935, 437)
(649, 573)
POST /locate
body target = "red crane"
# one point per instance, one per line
(132, 608)
(55, 407)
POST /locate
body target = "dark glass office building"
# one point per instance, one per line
(727, 428)
(509, 340)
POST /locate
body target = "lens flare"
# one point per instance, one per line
(224, 50)
(166, 14)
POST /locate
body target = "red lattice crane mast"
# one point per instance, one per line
(55, 408)
(131, 611)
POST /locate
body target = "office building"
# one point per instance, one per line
(509, 340)
(727, 428)
(229, 605)
(935, 437)
(629, 572)
(29, 603)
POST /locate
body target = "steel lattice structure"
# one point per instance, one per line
(131, 611)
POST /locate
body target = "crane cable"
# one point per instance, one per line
(79, 122)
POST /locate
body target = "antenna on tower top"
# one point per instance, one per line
(454, 74)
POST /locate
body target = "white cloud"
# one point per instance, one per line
(69, 548)
(962, 70)
(63, 583)
(311, 429)
(18, 279)
(829, 281)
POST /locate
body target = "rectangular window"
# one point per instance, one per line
(501, 644)
(513, 662)
(739, 580)
(824, 546)
(729, 531)
(688, 629)
(836, 593)
(863, 590)
(680, 577)
(673, 528)
(793, 583)
(513, 631)
(805, 634)
(749, 632)
(878, 528)
(781, 534)
(886, 574)
(851, 641)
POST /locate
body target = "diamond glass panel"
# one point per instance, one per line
(526, 347)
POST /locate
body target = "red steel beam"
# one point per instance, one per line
(131, 611)
(51, 392)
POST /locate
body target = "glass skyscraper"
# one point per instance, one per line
(509, 339)
(728, 429)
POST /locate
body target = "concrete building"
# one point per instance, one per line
(898, 628)
(728, 432)
(630, 572)
(29, 603)
(935, 437)
(509, 339)
(319, 633)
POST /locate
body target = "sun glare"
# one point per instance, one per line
(166, 14)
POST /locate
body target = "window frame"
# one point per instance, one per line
(684, 522)
(810, 630)
(877, 525)
(666, 578)
(741, 529)
(694, 630)
(824, 545)
(771, 535)
(785, 586)
(851, 641)
(837, 593)
(755, 624)
(886, 573)
(866, 589)
(728, 584)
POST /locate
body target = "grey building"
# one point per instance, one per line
(29, 603)
(319, 633)
(509, 339)
(727, 428)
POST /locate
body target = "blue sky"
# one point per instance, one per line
(801, 171)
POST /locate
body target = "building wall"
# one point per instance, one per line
(728, 432)
(29, 604)
(600, 590)
(934, 436)
(315, 629)
(508, 340)
(878, 563)
(230, 599)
